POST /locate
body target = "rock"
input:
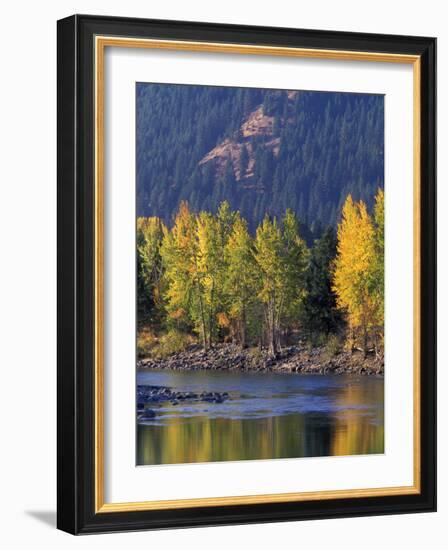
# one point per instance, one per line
(292, 359)
(147, 414)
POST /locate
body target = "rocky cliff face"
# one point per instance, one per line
(239, 152)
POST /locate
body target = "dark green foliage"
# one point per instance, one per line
(149, 270)
(329, 145)
(319, 313)
(145, 299)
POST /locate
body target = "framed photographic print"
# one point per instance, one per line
(246, 274)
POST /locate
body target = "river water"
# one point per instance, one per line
(267, 416)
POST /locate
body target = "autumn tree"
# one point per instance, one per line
(376, 276)
(185, 284)
(353, 264)
(281, 257)
(241, 282)
(211, 267)
(295, 258)
(268, 254)
(225, 218)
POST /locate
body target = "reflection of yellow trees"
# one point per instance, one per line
(355, 433)
(210, 440)
(203, 439)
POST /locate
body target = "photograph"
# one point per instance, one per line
(259, 273)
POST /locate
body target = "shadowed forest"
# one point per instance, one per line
(263, 151)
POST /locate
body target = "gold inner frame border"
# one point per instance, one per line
(100, 44)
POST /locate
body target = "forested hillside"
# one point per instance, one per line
(263, 151)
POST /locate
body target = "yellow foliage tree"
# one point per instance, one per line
(180, 254)
(210, 265)
(352, 269)
(377, 275)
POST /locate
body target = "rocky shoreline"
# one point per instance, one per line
(292, 359)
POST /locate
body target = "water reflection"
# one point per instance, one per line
(268, 416)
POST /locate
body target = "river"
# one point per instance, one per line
(267, 416)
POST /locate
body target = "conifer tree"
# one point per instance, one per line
(244, 159)
(319, 313)
(149, 268)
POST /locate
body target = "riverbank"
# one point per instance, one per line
(292, 359)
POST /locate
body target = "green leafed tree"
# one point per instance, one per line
(268, 254)
(242, 280)
(295, 258)
(281, 257)
(211, 269)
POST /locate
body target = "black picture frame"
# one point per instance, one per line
(76, 256)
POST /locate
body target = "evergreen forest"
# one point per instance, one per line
(262, 151)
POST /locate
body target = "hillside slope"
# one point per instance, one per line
(262, 150)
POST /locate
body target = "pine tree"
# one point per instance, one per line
(149, 269)
(319, 313)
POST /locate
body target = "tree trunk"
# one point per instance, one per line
(375, 342)
(243, 329)
(272, 340)
(352, 340)
(203, 326)
(365, 340)
(210, 316)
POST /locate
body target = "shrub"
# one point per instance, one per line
(334, 346)
(171, 342)
(145, 342)
(256, 356)
(316, 340)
